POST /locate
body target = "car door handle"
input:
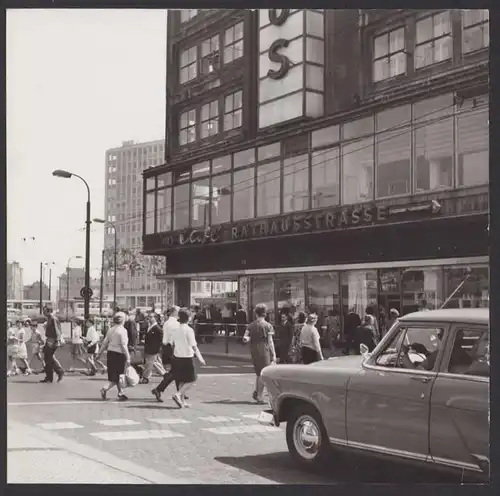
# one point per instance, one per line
(425, 380)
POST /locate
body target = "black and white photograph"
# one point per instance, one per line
(247, 246)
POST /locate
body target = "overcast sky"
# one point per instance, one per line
(78, 82)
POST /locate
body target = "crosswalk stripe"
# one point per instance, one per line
(117, 422)
(135, 435)
(253, 416)
(241, 429)
(229, 366)
(208, 366)
(218, 419)
(168, 421)
(54, 426)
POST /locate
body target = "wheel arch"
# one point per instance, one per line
(289, 402)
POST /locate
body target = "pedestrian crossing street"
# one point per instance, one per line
(167, 427)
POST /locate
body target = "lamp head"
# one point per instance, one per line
(62, 173)
(99, 221)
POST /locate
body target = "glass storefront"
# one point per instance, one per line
(407, 289)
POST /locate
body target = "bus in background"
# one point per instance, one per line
(27, 308)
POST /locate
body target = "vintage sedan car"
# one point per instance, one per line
(422, 396)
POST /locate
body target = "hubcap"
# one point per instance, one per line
(306, 437)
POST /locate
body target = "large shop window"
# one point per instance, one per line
(422, 289)
(473, 148)
(359, 291)
(393, 152)
(233, 108)
(296, 183)
(389, 57)
(187, 127)
(233, 43)
(290, 292)
(325, 178)
(434, 41)
(323, 294)
(474, 293)
(434, 144)
(262, 291)
(357, 171)
(188, 64)
(268, 189)
(476, 29)
(181, 206)
(221, 199)
(149, 214)
(164, 210)
(243, 197)
(200, 199)
(210, 119)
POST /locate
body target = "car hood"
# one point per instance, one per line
(345, 362)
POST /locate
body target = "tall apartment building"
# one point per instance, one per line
(14, 281)
(325, 159)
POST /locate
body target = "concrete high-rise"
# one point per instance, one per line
(14, 281)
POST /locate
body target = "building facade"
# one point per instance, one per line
(326, 159)
(32, 292)
(14, 281)
(71, 292)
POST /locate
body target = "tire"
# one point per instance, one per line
(307, 453)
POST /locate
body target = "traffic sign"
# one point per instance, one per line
(86, 292)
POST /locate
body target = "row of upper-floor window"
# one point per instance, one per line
(121, 155)
(222, 114)
(431, 145)
(431, 42)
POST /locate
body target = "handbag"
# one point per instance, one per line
(131, 377)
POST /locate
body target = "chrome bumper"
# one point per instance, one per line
(266, 417)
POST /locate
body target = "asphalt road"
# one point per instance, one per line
(216, 441)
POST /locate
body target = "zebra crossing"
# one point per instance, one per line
(168, 427)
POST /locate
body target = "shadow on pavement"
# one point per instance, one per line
(154, 407)
(280, 468)
(231, 402)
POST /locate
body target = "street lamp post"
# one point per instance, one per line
(67, 284)
(48, 264)
(67, 175)
(102, 221)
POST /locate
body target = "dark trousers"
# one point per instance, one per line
(351, 343)
(51, 362)
(168, 378)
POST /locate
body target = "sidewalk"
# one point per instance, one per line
(35, 456)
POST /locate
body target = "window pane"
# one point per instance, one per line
(262, 291)
(425, 30)
(393, 163)
(181, 206)
(269, 151)
(381, 46)
(202, 169)
(473, 38)
(243, 198)
(164, 179)
(470, 353)
(325, 136)
(397, 64)
(238, 31)
(325, 178)
(296, 183)
(443, 49)
(268, 189)
(380, 70)
(474, 293)
(246, 157)
(357, 171)
(442, 24)
(221, 199)
(164, 209)
(393, 118)
(221, 164)
(291, 293)
(150, 212)
(422, 289)
(356, 129)
(200, 199)
(474, 16)
(424, 55)
(473, 148)
(434, 156)
(151, 182)
(324, 299)
(433, 108)
(396, 40)
(388, 356)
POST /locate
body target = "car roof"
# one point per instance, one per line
(468, 315)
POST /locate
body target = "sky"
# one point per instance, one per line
(78, 83)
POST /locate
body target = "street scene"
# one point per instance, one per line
(254, 258)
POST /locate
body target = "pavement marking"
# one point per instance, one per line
(218, 419)
(54, 426)
(253, 416)
(242, 429)
(200, 376)
(229, 366)
(168, 420)
(208, 367)
(117, 422)
(247, 366)
(129, 435)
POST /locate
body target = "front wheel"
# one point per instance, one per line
(306, 437)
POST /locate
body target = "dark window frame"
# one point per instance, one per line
(235, 41)
(234, 110)
(189, 64)
(474, 25)
(387, 56)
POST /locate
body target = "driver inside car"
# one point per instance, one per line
(430, 357)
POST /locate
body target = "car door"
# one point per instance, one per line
(459, 425)
(388, 403)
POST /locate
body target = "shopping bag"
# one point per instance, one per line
(122, 381)
(131, 376)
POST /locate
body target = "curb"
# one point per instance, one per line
(227, 356)
(95, 455)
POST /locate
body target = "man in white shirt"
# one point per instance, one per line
(169, 328)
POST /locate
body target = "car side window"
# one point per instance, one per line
(388, 356)
(470, 354)
(420, 348)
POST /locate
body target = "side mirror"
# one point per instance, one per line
(365, 352)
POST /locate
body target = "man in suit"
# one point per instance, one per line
(152, 347)
(52, 343)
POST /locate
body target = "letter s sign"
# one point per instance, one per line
(279, 58)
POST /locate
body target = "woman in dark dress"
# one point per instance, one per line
(260, 334)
